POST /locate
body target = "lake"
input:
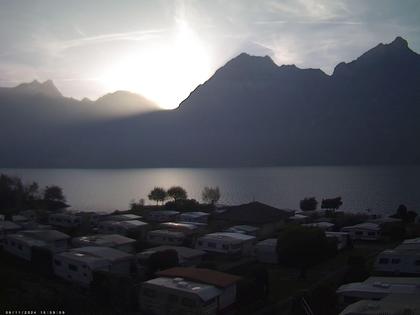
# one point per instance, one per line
(380, 188)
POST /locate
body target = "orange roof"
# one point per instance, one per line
(207, 276)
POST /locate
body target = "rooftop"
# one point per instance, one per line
(91, 260)
(382, 286)
(105, 240)
(183, 251)
(253, 213)
(393, 304)
(244, 228)
(45, 235)
(229, 235)
(194, 214)
(107, 253)
(207, 276)
(364, 226)
(268, 242)
(204, 291)
(9, 225)
(178, 225)
(167, 232)
(321, 225)
(124, 217)
(163, 212)
(131, 223)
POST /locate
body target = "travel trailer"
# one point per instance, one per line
(22, 243)
(194, 217)
(226, 243)
(127, 228)
(165, 237)
(244, 229)
(78, 264)
(187, 257)
(115, 241)
(186, 228)
(364, 231)
(188, 291)
(376, 288)
(398, 262)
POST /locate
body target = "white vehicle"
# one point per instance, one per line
(165, 237)
(21, 244)
(194, 217)
(398, 261)
(77, 265)
(227, 243)
(115, 241)
(364, 231)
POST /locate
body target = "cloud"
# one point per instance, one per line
(139, 35)
(311, 9)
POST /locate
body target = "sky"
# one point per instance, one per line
(163, 49)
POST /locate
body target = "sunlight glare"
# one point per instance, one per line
(165, 73)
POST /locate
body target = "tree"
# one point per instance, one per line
(177, 193)
(54, 194)
(308, 204)
(332, 203)
(303, 247)
(183, 205)
(405, 215)
(210, 195)
(158, 194)
(137, 205)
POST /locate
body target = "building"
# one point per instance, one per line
(115, 241)
(187, 257)
(194, 217)
(78, 264)
(22, 243)
(226, 243)
(165, 237)
(267, 218)
(162, 216)
(65, 220)
(188, 291)
(244, 229)
(398, 261)
(266, 251)
(7, 227)
(376, 288)
(132, 228)
(393, 304)
(364, 231)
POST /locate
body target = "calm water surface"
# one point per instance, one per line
(379, 188)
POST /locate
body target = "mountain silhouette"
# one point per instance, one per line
(251, 112)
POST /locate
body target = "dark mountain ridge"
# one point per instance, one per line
(252, 112)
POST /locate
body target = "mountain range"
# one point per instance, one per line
(251, 112)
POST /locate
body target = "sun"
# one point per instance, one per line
(165, 71)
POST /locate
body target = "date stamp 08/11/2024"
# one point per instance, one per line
(33, 312)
